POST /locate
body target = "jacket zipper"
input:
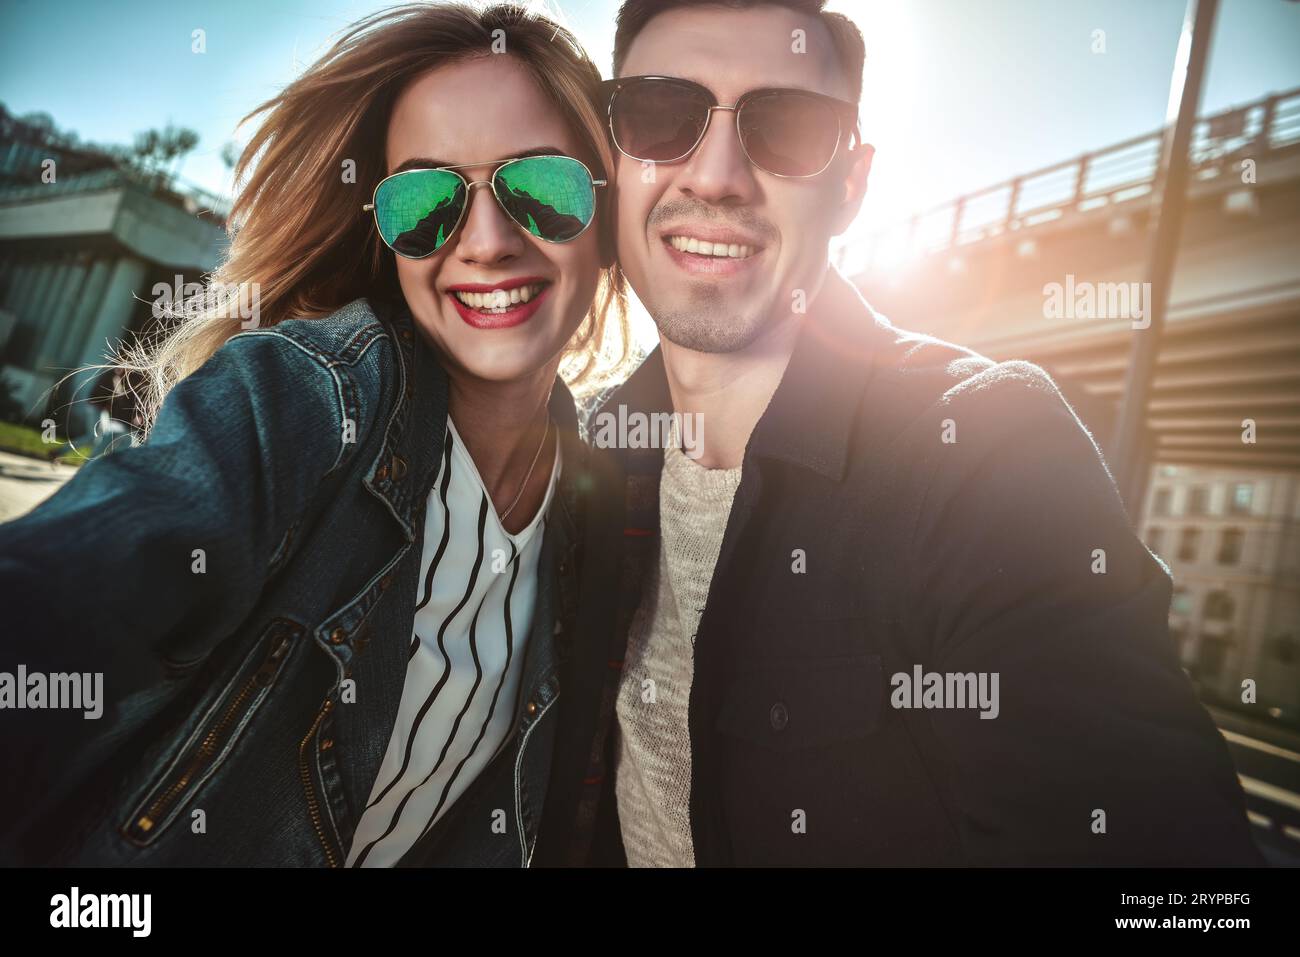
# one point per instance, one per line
(166, 796)
(313, 806)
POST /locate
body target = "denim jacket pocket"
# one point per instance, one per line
(787, 704)
(206, 747)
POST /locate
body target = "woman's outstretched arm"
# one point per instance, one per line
(150, 556)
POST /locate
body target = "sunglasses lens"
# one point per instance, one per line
(550, 196)
(658, 121)
(789, 134)
(417, 210)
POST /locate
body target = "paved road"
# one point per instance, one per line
(25, 483)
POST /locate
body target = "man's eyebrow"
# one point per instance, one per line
(424, 162)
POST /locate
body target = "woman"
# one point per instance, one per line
(328, 595)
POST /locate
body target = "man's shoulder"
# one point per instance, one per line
(917, 372)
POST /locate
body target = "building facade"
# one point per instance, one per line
(84, 241)
(1231, 539)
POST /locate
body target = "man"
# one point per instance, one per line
(889, 610)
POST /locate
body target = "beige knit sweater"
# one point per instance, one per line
(653, 782)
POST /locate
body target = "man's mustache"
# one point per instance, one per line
(679, 210)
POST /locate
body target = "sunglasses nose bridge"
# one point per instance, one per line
(704, 131)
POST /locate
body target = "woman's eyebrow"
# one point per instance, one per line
(424, 162)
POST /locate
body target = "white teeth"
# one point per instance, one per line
(500, 300)
(689, 244)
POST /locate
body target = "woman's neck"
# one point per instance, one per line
(502, 425)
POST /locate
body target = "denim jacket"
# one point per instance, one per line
(245, 582)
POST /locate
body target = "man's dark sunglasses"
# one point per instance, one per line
(786, 132)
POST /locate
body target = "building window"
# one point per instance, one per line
(1154, 536)
(1198, 500)
(1230, 546)
(1161, 503)
(1243, 495)
(1284, 648)
(1189, 544)
(1214, 652)
(1182, 603)
(1219, 606)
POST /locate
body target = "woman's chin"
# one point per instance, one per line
(503, 363)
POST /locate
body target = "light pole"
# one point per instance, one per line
(1130, 458)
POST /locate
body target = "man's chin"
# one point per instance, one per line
(712, 330)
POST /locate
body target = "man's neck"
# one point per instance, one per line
(727, 392)
(730, 391)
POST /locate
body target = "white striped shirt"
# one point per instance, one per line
(478, 587)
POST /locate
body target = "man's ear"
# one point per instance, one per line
(855, 187)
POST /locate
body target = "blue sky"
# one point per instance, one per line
(959, 93)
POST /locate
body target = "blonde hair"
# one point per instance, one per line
(297, 231)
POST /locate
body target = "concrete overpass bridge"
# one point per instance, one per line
(1048, 266)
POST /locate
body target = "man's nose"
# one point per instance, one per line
(718, 171)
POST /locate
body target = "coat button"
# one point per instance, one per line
(399, 468)
(382, 473)
(337, 636)
(532, 708)
(778, 716)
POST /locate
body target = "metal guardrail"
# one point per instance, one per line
(1114, 174)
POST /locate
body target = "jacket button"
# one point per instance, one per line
(778, 716)
(399, 468)
(382, 473)
(532, 708)
(337, 636)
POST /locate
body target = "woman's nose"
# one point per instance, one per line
(488, 235)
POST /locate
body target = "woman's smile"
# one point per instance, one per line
(501, 305)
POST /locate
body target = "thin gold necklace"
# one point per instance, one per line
(537, 455)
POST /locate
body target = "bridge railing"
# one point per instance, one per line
(1120, 172)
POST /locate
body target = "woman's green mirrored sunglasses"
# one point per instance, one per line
(551, 197)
